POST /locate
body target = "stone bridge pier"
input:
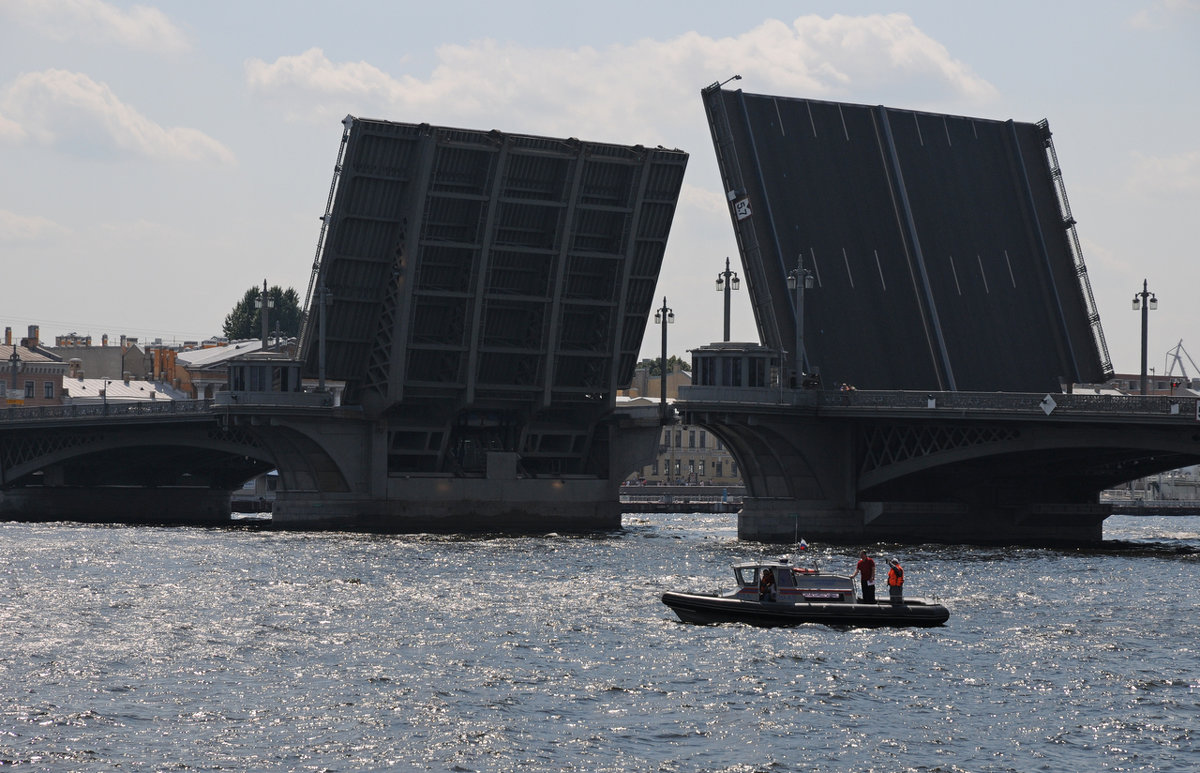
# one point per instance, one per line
(339, 469)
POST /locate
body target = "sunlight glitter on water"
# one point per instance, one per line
(279, 651)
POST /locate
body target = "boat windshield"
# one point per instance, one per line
(746, 575)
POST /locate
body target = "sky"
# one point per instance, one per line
(156, 161)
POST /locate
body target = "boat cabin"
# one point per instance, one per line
(794, 584)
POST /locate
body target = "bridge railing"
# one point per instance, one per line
(102, 411)
(1015, 402)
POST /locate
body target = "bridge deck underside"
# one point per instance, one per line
(939, 249)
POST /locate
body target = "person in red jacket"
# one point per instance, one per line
(895, 580)
(866, 568)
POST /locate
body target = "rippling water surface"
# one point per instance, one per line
(204, 649)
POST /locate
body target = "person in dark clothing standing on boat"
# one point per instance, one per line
(866, 568)
(766, 585)
(895, 581)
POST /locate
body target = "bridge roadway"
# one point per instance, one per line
(939, 466)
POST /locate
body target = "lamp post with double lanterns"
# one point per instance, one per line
(1146, 302)
(800, 279)
(726, 281)
(264, 303)
(14, 362)
(664, 316)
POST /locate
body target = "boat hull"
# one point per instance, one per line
(706, 610)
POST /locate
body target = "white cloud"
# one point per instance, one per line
(1163, 14)
(26, 228)
(639, 91)
(70, 111)
(10, 131)
(139, 27)
(1172, 177)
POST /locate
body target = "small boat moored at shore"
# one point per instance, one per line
(798, 595)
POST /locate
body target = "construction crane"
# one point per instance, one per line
(1173, 359)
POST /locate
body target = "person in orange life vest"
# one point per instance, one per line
(895, 580)
(766, 585)
(866, 568)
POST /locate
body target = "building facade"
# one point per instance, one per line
(33, 376)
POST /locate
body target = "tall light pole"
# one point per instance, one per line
(664, 316)
(1145, 301)
(727, 280)
(264, 303)
(14, 362)
(800, 279)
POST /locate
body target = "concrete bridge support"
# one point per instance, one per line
(335, 474)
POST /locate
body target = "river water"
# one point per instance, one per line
(136, 648)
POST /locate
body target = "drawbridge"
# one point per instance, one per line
(941, 250)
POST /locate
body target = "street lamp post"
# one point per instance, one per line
(1145, 301)
(14, 361)
(800, 279)
(264, 303)
(664, 316)
(727, 280)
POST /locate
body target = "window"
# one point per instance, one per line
(703, 439)
(717, 467)
(733, 469)
(731, 368)
(655, 469)
(48, 390)
(758, 373)
(701, 468)
(679, 438)
(28, 390)
(691, 438)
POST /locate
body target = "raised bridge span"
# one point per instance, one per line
(482, 295)
(931, 264)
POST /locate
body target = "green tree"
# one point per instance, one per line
(245, 321)
(675, 364)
